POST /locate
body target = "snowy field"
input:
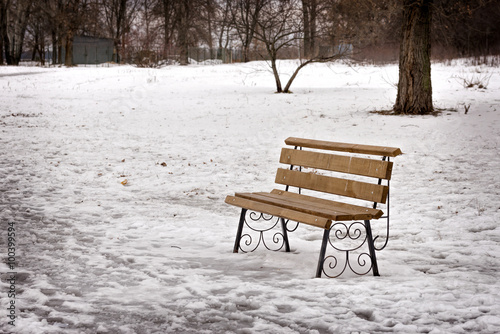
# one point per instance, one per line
(114, 180)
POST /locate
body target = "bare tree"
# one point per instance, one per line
(14, 20)
(279, 27)
(37, 30)
(118, 15)
(467, 27)
(168, 13)
(309, 13)
(4, 5)
(245, 17)
(186, 22)
(206, 29)
(51, 12)
(370, 26)
(68, 18)
(223, 26)
(183, 18)
(414, 87)
(71, 20)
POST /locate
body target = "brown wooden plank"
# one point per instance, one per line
(338, 163)
(344, 147)
(279, 212)
(355, 210)
(355, 189)
(339, 212)
(297, 205)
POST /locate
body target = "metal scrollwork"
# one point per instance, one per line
(354, 232)
(346, 240)
(260, 223)
(291, 229)
(386, 237)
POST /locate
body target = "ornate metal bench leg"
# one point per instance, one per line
(371, 247)
(240, 230)
(285, 235)
(326, 238)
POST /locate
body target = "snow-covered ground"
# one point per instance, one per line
(153, 254)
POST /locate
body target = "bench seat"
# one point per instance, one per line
(302, 208)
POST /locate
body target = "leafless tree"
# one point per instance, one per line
(223, 26)
(71, 19)
(415, 87)
(15, 15)
(37, 30)
(245, 17)
(309, 14)
(118, 16)
(184, 14)
(280, 26)
(207, 22)
(4, 5)
(186, 22)
(168, 14)
(371, 26)
(467, 27)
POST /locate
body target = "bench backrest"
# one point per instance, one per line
(346, 164)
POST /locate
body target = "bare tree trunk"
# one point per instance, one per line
(245, 15)
(3, 26)
(120, 18)
(68, 45)
(168, 27)
(41, 50)
(309, 13)
(414, 87)
(224, 28)
(72, 20)
(55, 49)
(183, 30)
(276, 74)
(16, 29)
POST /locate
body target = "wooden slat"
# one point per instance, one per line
(355, 210)
(279, 212)
(338, 163)
(355, 189)
(344, 147)
(297, 205)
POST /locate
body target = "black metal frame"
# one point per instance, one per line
(279, 239)
(361, 266)
(360, 232)
(356, 234)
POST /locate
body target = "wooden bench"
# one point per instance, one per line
(352, 174)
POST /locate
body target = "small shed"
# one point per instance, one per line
(92, 50)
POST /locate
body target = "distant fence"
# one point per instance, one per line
(222, 55)
(195, 55)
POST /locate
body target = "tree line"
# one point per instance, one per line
(262, 29)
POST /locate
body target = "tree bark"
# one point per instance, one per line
(309, 13)
(414, 87)
(120, 20)
(17, 21)
(3, 26)
(183, 31)
(245, 15)
(68, 57)
(168, 26)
